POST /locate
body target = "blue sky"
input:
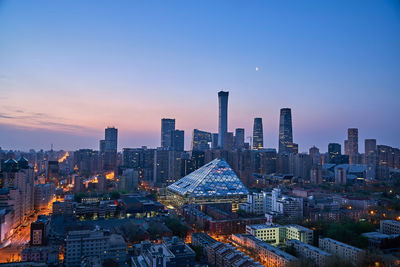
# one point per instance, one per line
(68, 69)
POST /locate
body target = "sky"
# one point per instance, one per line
(68, 69)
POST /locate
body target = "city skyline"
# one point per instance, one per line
(130, 78)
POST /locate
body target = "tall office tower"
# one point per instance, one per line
(178, 140)
(223, 117)
(370, 146)
(214, 141)
(370, 158)
(334, 153)
(315, 156)
(167, 128)
(200, 140)
(228, 141)
(285, 131)
(110, 149)
(351, 145)
(239, 138)
(258, 137)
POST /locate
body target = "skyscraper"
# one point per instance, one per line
(258, 138)
(214, 140)
(200, 140)
(351, 145)
(178, 140)
(111, 139)
(239, 138)
(285, 131)
(334, 153)
(167, 128)
(223, 117)
(110, 148)
(370, 146)
(370, 158)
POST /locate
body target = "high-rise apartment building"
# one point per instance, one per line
(200, 140)
(351, 146)
(223, 117)
(285, 131)
(239, 138)
(258, 137)
(167, 129)
(370, 158)
(110, 149)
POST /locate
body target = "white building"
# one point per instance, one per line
(343, 251)
(274, 202)
(278, 234)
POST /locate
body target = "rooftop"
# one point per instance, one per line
(305, 245)
(341, 244)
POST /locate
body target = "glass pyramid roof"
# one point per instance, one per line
(215, 179)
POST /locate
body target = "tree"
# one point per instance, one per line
(176, 226)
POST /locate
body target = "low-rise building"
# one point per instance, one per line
(320, 257)
(278, 234)
(172, 252)
(46, 254)
(268, 255)
(389, 227)
(344, 251)
(221, 254)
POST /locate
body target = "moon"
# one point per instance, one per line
(257, 68)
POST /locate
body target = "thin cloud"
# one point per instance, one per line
(38, 120)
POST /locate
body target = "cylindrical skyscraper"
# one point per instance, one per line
(285, 131)
(223, 117)
(258, 137)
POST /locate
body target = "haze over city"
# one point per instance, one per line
(69, 69)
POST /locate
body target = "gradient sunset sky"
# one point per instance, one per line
(69, 68)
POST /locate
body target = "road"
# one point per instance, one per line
(20, 238)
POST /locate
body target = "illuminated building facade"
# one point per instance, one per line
(215, 182)
(258, 137)
(269, 255)
(278, 234)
